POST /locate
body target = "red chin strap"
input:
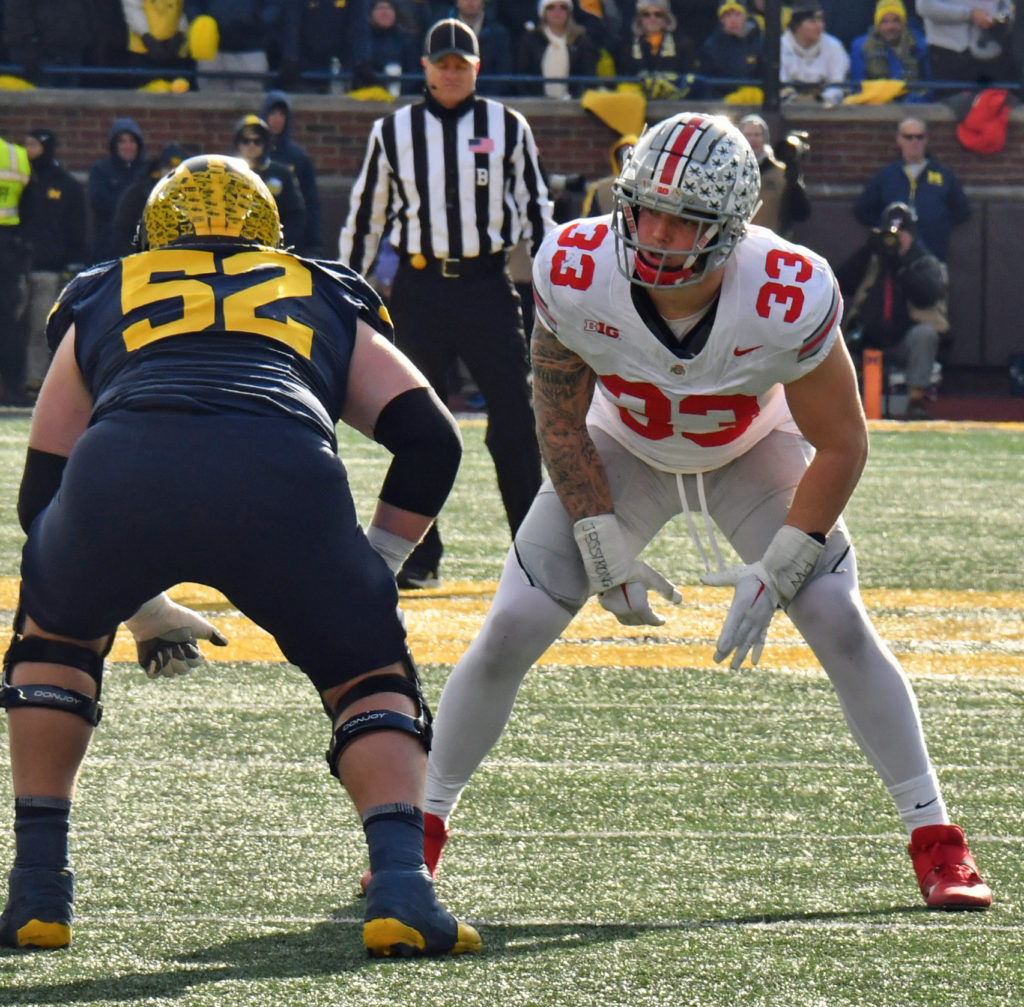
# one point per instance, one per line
(659, 275)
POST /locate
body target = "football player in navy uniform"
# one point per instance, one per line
(213, 350)
(686, 361)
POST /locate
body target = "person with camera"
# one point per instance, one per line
(896, 301)
(969, 40)
(784, 199)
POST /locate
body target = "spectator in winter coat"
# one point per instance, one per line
(891, 50)
(252, 140)
(784, 199)
(319, 32)
(496, 52)
(930, 187)
(656, 53)
(133, 199)
(276, 112)
(734, 48)
(811, 61)
(393, 49)
(108, 179)
(895, 292)
(556, 47)
(53, 224)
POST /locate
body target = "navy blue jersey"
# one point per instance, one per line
(219, 329)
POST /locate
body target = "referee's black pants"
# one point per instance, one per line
(476, 318)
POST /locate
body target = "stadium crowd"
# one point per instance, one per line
(829, 49)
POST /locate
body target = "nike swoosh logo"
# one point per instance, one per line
(926, 803)
(737, 352)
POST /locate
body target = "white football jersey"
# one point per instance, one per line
(776, 319)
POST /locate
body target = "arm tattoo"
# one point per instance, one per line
(563, 385)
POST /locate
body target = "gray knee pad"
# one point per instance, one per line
(54, 697)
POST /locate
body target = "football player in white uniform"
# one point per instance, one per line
(687, 362)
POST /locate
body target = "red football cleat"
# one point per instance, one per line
(945, 869)
(435, 835)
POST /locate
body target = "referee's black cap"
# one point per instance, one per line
(451, 37)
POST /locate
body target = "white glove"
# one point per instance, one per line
(165, 636)
(760, 587)
(619, 580)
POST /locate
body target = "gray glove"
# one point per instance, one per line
(166, 636)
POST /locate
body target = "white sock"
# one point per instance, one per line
(477, 700)
(919, 801)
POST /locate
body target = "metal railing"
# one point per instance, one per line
(689, 86)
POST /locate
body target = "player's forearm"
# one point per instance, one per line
(563, 386)
(825, 489)
(576, 471)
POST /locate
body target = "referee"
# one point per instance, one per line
(453, 182)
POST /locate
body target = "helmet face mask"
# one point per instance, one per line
(694, 167)
(210, 197)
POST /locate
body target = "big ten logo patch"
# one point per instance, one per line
(594, 325)
(482, 177)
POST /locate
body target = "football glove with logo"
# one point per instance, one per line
(165, 635)
(619, 580)
(761, 587)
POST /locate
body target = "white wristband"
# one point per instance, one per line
(789, 560)
(392, 548)
(150, 619)
(603, 548)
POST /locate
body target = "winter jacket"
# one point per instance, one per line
(108, 179)
(284, 149)
(814, 67)
(725, 55)
(395, 46)
(322, 31)
(936, 195)
(53, 215)
(887, 294)
(582, 58)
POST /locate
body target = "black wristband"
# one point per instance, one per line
(39, 482)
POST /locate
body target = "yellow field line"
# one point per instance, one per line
(933, 632)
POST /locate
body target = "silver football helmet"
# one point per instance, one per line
(696, 167)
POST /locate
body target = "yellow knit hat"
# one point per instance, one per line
(884, 7)
(729, 5)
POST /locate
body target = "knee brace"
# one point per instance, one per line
(54, 697)
(381, 720)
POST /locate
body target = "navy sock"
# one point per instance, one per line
(394, 835)
(41, 827)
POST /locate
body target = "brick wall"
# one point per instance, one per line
(848, 143)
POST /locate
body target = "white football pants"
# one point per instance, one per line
(543, 585)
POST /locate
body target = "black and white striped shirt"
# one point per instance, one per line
(447, 183)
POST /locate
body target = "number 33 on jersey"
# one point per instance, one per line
(776, 319)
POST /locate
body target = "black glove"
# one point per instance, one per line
(164, 52)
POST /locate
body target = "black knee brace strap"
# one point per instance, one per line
(380, 720)
(39, 648)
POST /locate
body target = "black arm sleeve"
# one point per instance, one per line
(425, 440)
(39, 483)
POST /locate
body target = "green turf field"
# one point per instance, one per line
(652, 830)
